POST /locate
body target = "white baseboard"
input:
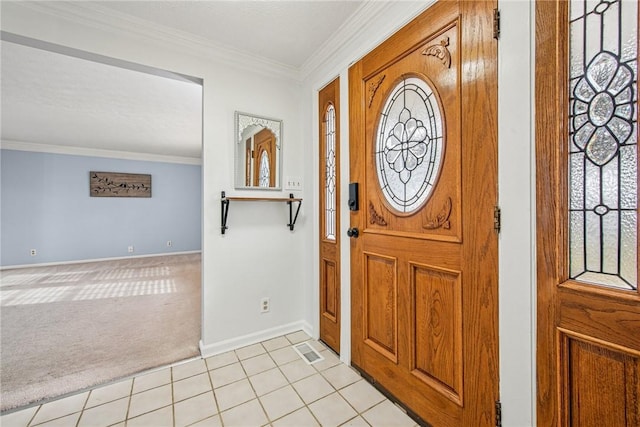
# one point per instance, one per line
(82, 261)
(253, 338)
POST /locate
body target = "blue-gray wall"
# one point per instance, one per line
(45, 205)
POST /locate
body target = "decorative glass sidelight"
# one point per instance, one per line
(603, 140)
(409, 145)
(265, 170)
(330, 173)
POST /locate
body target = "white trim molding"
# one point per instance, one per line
(105, 19)
(207, 350)
(83, 261)
(97, 152)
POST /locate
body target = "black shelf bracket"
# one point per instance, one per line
(224, 204)
(292, 222)
(225, 201)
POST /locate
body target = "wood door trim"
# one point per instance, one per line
(550, 126)
(602, 343)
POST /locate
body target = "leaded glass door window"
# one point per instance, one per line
(330, 173)
(603, 143)
(409, 145)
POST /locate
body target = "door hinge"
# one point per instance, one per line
(496, 24)
(497, 218)
(498, 414)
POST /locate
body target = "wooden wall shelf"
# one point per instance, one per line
(225, 201)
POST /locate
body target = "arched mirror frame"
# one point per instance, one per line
(242, 122)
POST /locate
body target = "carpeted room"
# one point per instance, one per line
(68, 328)
(95, 288)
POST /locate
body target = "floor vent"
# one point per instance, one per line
(308, 353)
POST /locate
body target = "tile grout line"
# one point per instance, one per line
(173, 399)
(213, 391)
(251, 384)
(126, 416)
(305, 405)
(84, 405)
(34, 415)
(272, 391)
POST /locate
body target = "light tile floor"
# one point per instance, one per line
(265, 384)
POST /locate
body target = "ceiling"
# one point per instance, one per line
(79, 100)
(288, 32)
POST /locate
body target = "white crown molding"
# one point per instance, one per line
(96, 16)
(93, 15)
(344, 38)
(359, 19)
(96, 152)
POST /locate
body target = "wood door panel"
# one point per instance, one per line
(424, 27)
(603, 316)
(600, 383)
(381, 304)
(329, 297)
(441, 254)
(437, 325)
(441, 218)
(442, 410)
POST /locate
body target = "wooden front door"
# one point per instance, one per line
(588, 304)
(424, 285)
(329, 116)
(265, 159)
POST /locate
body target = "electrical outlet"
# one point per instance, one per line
(33, 252)
(169, 243)
(293, 183)
(130, 249)
(265, 305)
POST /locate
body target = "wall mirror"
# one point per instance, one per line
(258, 148)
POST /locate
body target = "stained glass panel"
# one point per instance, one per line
(603, 157)
(265, 170)
(330, 173)
(409, 145)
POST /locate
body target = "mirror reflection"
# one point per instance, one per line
(258, 149)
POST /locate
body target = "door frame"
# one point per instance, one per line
(517, 196)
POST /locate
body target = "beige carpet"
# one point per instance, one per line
(66, 328)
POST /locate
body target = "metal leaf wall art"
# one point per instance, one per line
(111, 184)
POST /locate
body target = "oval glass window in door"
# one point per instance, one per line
(409, 145)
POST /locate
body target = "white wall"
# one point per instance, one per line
(516, 166)
(258, 256)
